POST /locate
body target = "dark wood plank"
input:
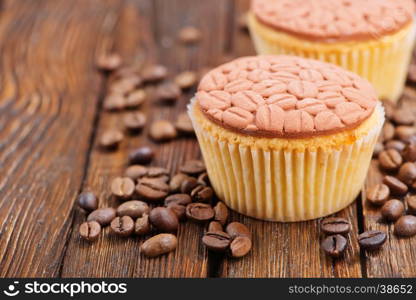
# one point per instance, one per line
(111, 256)
(286, 249)
(47, 105)
(397, 258)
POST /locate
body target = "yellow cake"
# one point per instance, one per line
(280, 140)
(373, 38)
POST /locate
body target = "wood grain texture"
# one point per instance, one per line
(397, 258)
(48, 92)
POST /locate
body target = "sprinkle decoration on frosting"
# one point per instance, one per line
(336, 20)
(285, 96)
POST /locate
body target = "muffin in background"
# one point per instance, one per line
(286, 138)
(373, 38)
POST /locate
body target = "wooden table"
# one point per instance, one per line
(51, 114)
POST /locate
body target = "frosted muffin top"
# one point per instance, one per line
(335, 20)
(285, 96)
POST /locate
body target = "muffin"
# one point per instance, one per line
(373, 38)
(286, 138)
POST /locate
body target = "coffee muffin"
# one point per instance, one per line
(373, 38)
(286, 138)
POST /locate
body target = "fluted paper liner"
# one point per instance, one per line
(282, 185)
(384, 61)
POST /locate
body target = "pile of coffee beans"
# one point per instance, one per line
(154, 202)
(396, 155)
(336, 230)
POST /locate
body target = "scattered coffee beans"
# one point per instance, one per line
(407, 173)
(388, 131)
(396, 186)
(189, 35)
(396, 145)
(135, 172)
(109, 62)
(202, 193)
(180, 199)
(392, 210)
(334, 245)
(168, 92)
(184, 125)
(114, 102)
(154, 73)
(164, 219)
(133, 208)
(188, 185)
(405, 226)
(372, 239)
(142, 225)
(159, 244)
(88, 201)
(152, 189)
(186, 80)
(135, 121)
(215, 226)
(411, 204)
(235, 229)
(122, 187)
(124, 86)
(135, 99)
(221, 213)
(122, 226)
(193, 167)
(176, 182)
(203, 179)
(405, 133)
(390, 159)
(90, 230)
(403, 117)
(240, 246)
(409, 153)
(217, 241)
(104, 216)
(378, 194)
(199, 212)
(335, 225)
(111, 139)
(142, 155)
(377, 149)
(162, 131)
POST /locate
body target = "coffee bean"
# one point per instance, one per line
(176, 182)
(378, 148)
(203, 179)
(142, 225)
(240, 246)
(405, 226)
(135, 172)
(88, 201)
(405, 133)
(179, 210)
(142, 155)
(403, 117)
(335, 225)
(188, 185)
(392, 210)
(388, 131)
(109, 62)
(164, 219)
(396, 145)
(215, 226)
(125, 86)
(159, 244)
(390, 159)
(193, 167)
(189, 35)
(184, 124)
(202, 194)
(407, 173)
(221, 213)
(110, 139)
(133, 208)
(199, 212)
(104, 216)
(90, 231)
(235, 229)
(396, 186)
(122, 187)
(114, 102)
(122, 226)
(411, 204)
(180, 199)
(152, 189)
(154, 73)
(162, 131)
(389, 109)
(135, 99)
(217, 241)
(186, 80)
(372, 239)
(378, 194)
(158, 172)
(334, 245)
(409, 153)
(168, 92)
(135, 121)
